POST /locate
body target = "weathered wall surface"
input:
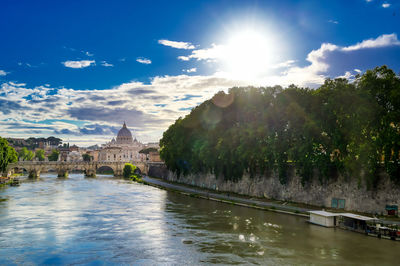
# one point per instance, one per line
(357, 197)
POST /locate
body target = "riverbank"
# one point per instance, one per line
(241, 200)
(229, 198)
(9, 181)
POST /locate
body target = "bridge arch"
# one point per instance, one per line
(105, 169)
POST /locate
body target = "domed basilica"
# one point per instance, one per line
(123, 149)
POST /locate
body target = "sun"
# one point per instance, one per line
(248, 53)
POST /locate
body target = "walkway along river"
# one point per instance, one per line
(107, 220)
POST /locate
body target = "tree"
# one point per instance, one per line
(342, 127)
(7, 155)
(26, 155)
(54, 141)
(54, 155)
(86, 157)
(148, 150)
(129, 170)
(39, 154)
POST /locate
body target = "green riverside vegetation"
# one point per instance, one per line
(342, 128)
(130, 172)
(7, 155)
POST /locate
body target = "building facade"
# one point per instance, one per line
(122, 149)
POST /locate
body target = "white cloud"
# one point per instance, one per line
(184, 58)
(177, 45)
(154, 109)
(385, 5)
(143, 60)
(347, 75)
(215, 52)
(105, 64)
(333, 21)
(191, 70)
(382, 41)
(78, 64)
(17, 84)
(285, 64)
(149, 108)
(2, 73)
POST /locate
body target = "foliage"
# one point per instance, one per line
(86, 157)
(54, 155)
(39, 155)
(148, 150)
(33, 143)
(129, 170)
(344, 128)
(7, 155)
(26, 155)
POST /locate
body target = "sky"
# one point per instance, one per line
(79, 69)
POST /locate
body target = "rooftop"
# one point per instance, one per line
(325, 213)
(348, 215)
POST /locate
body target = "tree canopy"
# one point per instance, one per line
(343, 127)
(54, 155)
(129, 170)
(86, 157)
(33, 143)
(26, 155)
(148, 150)
(7, 155)
(39, 154)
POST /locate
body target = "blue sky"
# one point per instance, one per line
(78, 69)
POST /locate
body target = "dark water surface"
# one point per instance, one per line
(112, 221)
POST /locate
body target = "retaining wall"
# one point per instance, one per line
(355, 194)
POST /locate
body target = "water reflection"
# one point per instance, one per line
(106, 220)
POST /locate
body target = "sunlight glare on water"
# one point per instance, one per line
(105, 220)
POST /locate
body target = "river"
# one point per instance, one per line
(105, 220)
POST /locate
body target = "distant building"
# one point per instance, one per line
(124, 148)
(74, 156)
(73, 148)
(154, 156)
(94, 154)
(64, 151)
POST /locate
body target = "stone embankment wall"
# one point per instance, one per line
(356, 196)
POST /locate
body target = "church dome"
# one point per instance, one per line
(124, 135)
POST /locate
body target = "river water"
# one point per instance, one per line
(112, 221)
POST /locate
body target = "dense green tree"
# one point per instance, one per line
(148, 150)
(129, 170)
(7, 155)
(54, 155)
(347, 128)
(26, 155)
(86, 157)
(39, 154)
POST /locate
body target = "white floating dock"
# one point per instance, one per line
(323, 218)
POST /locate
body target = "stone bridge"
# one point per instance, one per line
(34, 168)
